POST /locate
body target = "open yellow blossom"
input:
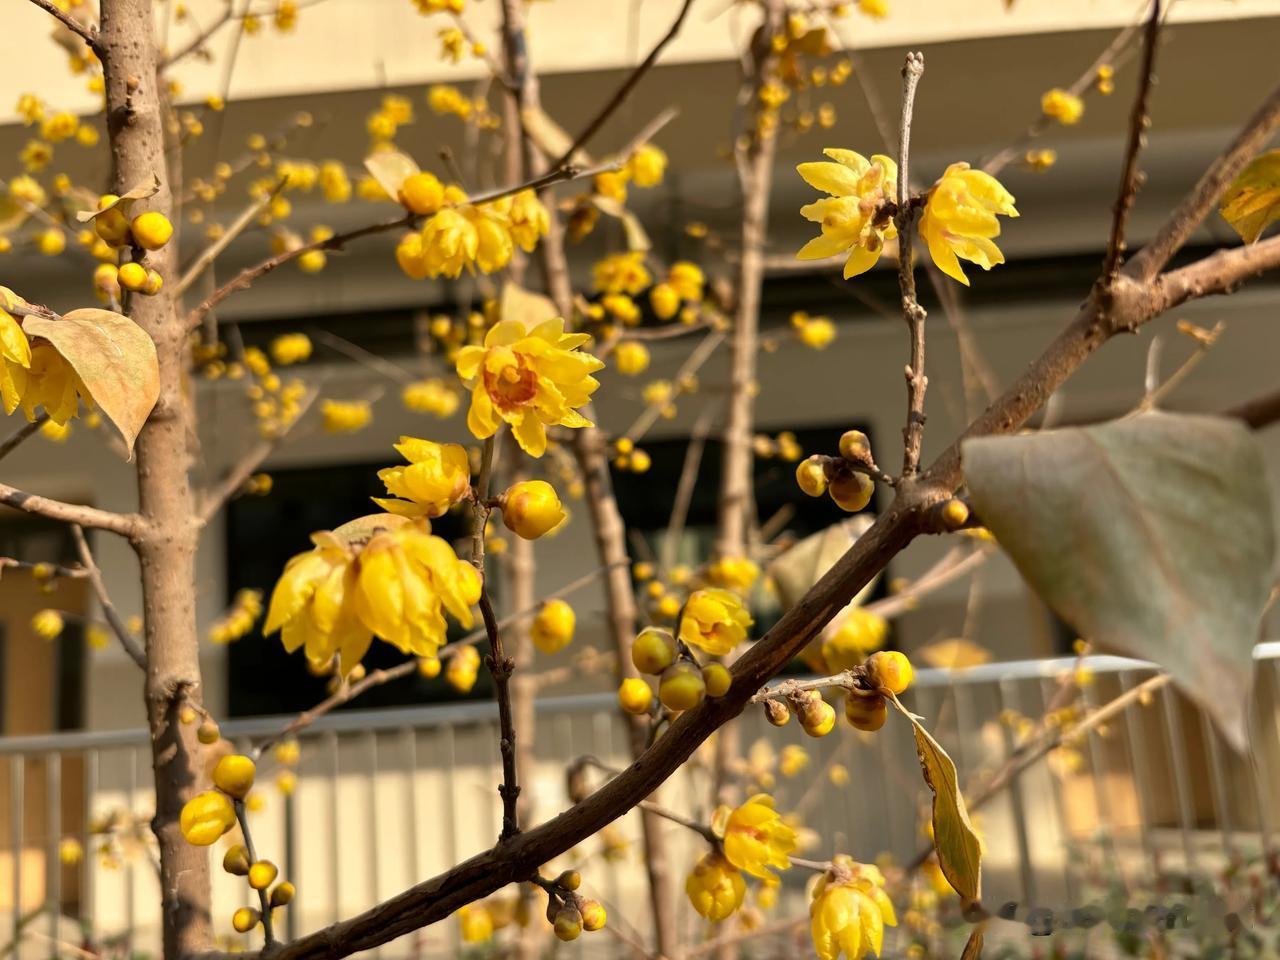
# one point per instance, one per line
(493, 247)
(476, 923)
(1062, 105)
(714, 620)
(849, 911)
(432, 396)
(532, 379)
(733, 573)
(345, 416)
(396, 584)
(449, 243)
(793, 760)
(688, 280)
(48, 382)
(860, 633)
(647, 165)
(528, 220)
(715, 887)
(756, 838)
(438, 476)
(622, 273)
(851, 217)
(959, 221)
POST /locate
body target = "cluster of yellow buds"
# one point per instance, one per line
(859, 634)
(394, 112)
(1062, 106)
(447, 100)
(784, 447)
(245, 610)
(463, 669)
(814, 332)
(287, 753)
(645, 168)
(275, 403)
(1039, 161)
(345, 416)
(849, 910)
(849, 487)
(433, 396)
(569, 912)
(291, 348)
(682, 683)
(1104, 80)
(753, 838)
(886, 672)
(630, 458)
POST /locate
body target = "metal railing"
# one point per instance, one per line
(384, 798)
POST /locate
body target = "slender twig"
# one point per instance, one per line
(85, 32)
(699, 355)
(218, 496)
(912, 312)
(264, 898)
(352, 351)
(954, 565)
(499, 664)
(211, 253)
(787, 689)
(16, 439)
(1131, 177)
(127, 640)
(687, 483)
(743, 936)
(125, 524)
(1157, 390)
(201, 38)
(51, 570)
(624, 91)
(701, 829)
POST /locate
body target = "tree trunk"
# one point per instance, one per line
(166, 545)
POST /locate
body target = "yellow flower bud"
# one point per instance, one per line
(245, 919)
(811, 476)
(206, 817)
(855, 447)
(421, 193)
(552, 628)
(132, 276)
(851, 491)
(234, 775)
(262, 874)
(866, 713)
(208, 733)
(283, 894)
(568, 924)
(531, 508)
(681, 686)
(593, 916)
(890, 670)
(151, 230)
(631, 358)
(717, 679)
(236, 860)
(635, 696)
(653, 650)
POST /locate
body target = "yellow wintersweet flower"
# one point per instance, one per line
(432, 396)
(851, 217)
(756, 838)
(48, 382)
(397, 585)
(860, 634)
(450, 242)
(1062, 105)
(437, 477)
(733, 573)
(528, 220)
(688, 279)
(647, 166)
(493, 238)
(715, 887)
(622, 273)
(345, 416)
(476, 923)
(714, 620)
(532, 379)
(878, 9)
(849, 911)
(959, 219)
(291, 348)
(552, 628)
(47, 624)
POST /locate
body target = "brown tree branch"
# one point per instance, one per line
(620, 95)
(912, 312)
(1131, 177)
(1259, 412)
(127, 640)
(85, 32)
(125, 524)
(1220, 272)
(19, 436)
(1200, 201)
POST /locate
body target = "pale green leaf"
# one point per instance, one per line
(957, 846)
(1152, 536)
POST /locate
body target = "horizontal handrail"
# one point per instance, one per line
(475, 712)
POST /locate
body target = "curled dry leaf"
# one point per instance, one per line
(140, 192)
(391, 168)
(525, 306)
(114, 358)
(637, 238)
(1252, 202)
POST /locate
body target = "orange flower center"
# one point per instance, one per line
(514, 385)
